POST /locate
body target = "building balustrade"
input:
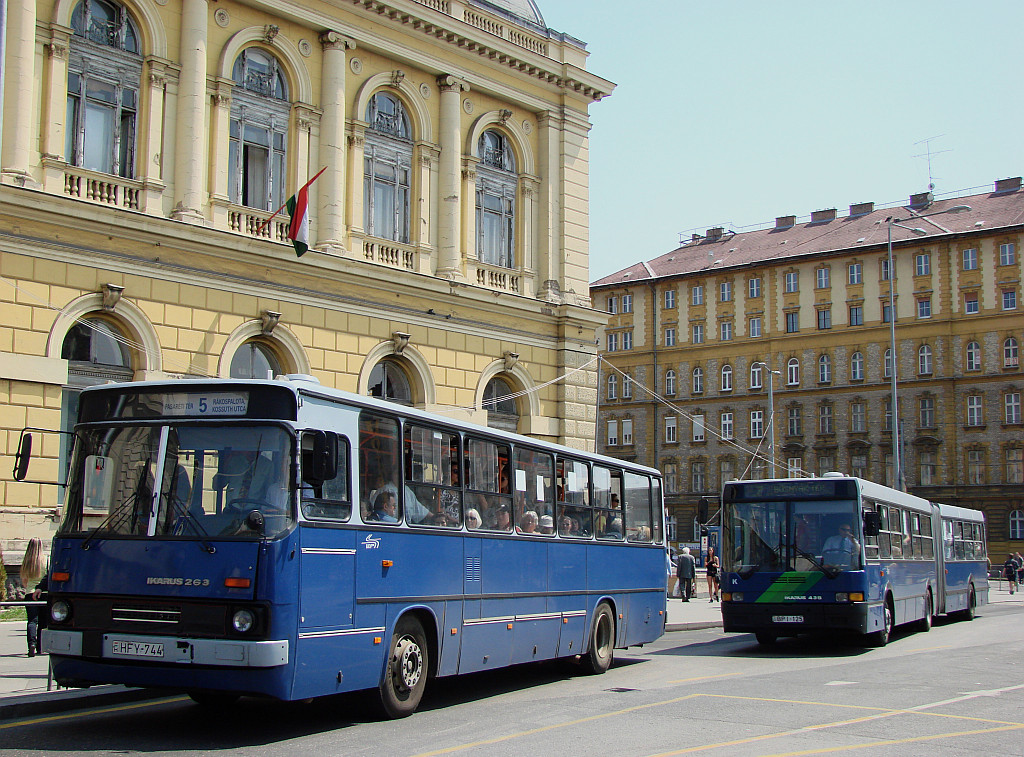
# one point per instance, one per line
(498, 278)
(103, 189)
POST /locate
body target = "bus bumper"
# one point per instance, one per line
(789, 619)
(166, 649)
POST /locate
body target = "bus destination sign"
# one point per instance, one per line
(214, 404)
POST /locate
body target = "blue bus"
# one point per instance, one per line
(839, 553)
(279, 538)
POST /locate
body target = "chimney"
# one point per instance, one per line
(862, 208)
(1008, 185)
(821, 216)
(716, 233)
(696, 237)
(921, 200)
(784, 222)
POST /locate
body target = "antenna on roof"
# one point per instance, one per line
(927, 155)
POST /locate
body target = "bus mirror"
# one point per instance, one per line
(872, 523)
(320, 457)
(22, 457)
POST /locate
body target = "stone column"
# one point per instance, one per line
(54, 113)
(220, 144)
(449, 242)
(191, 129)
(19, 93)
(330, 226)
(549, 237)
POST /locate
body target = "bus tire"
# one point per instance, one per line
(766, 638)
(881, 638)
(213, 699)
(925, 623)
(599, 655)
(405, 674)
(972, 606)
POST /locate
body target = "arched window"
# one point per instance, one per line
(627, 388)
(496, 200)
(389, 381)
(857, 367)
(824, 369)
(259, 131)
(1017, 524)
(793, 372)
(924, 360)
(698, 380)
(104, 71)
(1011, 357)
(502, 411)
(887, 364)
(726, 378)
(756, 376)
(387, 168)
(670, 382)
(972, 357)
(255, 360)
(613, 386)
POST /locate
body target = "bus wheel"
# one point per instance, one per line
(925, 624)
(881, 638)
(972, 606)
(766, 638)
(213, 699)
(598, 657)
(406, 674)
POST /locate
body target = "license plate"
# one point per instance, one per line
(787, 618)
(136, 648)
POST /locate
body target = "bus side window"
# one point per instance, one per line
(489, 488)
(575, 517)
(533, 486)
(379, 468)
(658, 511)
(870, 542)
(607, 503)
(896, 536)
(637, 504)
(432, 474)
(330, 499)
(884, 548)
(927, 541)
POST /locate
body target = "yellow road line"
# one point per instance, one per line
(94, 711)
(891, 742)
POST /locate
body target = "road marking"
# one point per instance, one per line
(890, 742)
(94, 711)
(708, 678)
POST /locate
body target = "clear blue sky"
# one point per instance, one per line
(735, 112)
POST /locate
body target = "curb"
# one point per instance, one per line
(697, 625)
(50, 702)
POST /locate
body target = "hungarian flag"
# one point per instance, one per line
(298, 229)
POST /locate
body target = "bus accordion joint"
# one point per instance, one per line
(237, 583)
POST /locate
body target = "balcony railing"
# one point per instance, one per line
(102, 188)
(249, 220)
(500, 279)
(389, 254)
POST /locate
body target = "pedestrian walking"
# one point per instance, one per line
(686, 572)
(32, 579)
(712, 570)
(1010, 571)
(1020, 570)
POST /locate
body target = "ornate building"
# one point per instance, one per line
(698, 337)
(146, 144)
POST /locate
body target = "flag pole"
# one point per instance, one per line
(262, 226)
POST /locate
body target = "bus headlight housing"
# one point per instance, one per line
(243, 621)
(853, 596)
(60, 611)
(736, 596)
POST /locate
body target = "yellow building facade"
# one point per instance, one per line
(697, 336)
(147, 143)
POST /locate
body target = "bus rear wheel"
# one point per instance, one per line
(405, 675)
(925, 624)
(972, 606)
(599, 656)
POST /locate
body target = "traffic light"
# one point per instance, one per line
(702, 510)
(703, 530)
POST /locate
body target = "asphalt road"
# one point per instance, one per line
(958, 689)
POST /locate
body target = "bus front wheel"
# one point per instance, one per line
(598, 657)
(972, 606)
(925, 624)
(405, 676)
(766, 638)
(881, 638)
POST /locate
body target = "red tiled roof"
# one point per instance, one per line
(988, 212)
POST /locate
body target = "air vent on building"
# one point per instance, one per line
(862, 208)
(921, 200)
(1008, 185)
(784, 222)
(820, 216)
(715, 234)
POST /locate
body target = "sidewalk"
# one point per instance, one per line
(24, 680)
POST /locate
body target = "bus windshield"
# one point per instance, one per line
(185, 481)
(781, 535)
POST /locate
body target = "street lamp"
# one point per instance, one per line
(899, 481)
(771, 411)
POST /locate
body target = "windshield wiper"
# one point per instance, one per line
(121, 514)
(829, 572)
(185, 517)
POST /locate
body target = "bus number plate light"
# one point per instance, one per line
(787, 618)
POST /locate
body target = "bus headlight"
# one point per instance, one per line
(60, 611)
(243, 621)
(736, 596)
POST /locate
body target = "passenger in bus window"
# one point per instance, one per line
(385, 507)
(503, 519)
(614, 530)
(473, 518)
(528, 524)
(547, 524)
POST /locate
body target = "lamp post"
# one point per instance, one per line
(899, 481)
(771, 411)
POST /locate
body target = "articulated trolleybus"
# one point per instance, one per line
(843, 554)
(282, 539)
